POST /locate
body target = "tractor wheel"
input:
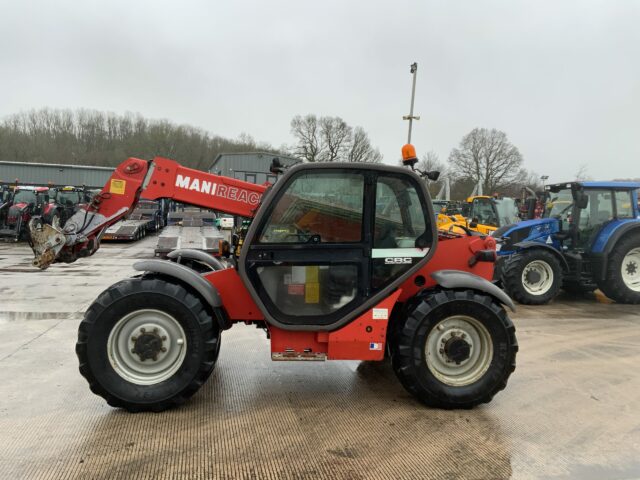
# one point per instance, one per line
(622, 282)
(147, 343)
(455, 350)
(532, 277)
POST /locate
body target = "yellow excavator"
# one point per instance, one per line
(482, 214)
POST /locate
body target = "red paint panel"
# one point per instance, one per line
(284, 340)
(235, 298)
(451, 254)
(365, 337)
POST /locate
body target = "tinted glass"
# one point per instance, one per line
(483, 212)
(402, 234)
(624, 208)
(318, 207)
(598, 212)
(311, 290)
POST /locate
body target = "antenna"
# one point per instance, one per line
(411, 117)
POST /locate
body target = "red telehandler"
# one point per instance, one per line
(340, 262)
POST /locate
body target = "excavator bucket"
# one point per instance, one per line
(46, 241)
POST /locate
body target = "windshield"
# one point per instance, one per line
(67, 198)
(559, 205)
(507, 211)
(24, 196)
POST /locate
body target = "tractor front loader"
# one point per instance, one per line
(339, 262)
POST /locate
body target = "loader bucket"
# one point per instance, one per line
(46, 241)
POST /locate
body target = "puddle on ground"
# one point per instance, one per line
(14, 316)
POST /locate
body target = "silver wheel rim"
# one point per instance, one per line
(631, 269)
(465, 372)
(121, 347)
(542, 280)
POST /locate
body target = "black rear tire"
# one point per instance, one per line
(512, 276)
(409, 349)
(106, 379)
(614, 285)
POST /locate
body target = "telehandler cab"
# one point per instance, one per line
(340, 262)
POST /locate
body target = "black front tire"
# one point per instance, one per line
(409, 349)
(512, 273)
(202, 339)
(614, 285)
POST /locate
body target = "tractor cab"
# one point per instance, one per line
(333, 242)
(63, 203)
(586, 238)
(24, 202)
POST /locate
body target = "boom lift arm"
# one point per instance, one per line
(160, 178)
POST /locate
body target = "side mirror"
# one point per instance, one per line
(276, 167)
(433, 176)
(582, 200)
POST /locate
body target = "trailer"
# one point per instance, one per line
(191, 229)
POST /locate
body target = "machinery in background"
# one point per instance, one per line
(23, 203)
(589, 238)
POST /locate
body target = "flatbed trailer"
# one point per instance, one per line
(189, 229)
(128, 230)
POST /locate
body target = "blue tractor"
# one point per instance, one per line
(588, 238)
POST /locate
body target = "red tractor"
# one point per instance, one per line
(24, 203)
(340, 262)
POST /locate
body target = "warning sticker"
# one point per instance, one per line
(381, 314)
(117, 186)
(312, 293)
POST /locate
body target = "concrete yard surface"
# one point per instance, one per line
(571, 408)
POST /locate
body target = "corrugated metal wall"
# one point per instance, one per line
(249, 167)
(43, 173)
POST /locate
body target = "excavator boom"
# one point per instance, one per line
(160, 178)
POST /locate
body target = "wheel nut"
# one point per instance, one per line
(163, 349)
(441, 351)
(133, 350)
(464, 335)
(164, 337)
(133, 339)
(155, 330)
(143, 330)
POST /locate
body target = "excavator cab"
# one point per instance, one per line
(330, 243)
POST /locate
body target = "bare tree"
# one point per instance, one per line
(431, 162)
(336, 135)
(583, 173)
(331, 139)
(487, 156)
(308, 134)
(361, 150)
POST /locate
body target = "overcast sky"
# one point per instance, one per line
(562, 79)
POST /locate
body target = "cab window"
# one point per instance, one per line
(318, 207)
(624, 206)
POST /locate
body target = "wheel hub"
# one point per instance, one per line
(533, 277)
(148, 345)
(457, 349)
(632, 268)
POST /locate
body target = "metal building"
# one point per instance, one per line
(51, 173)
(250, 167)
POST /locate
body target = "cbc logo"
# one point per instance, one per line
(398, 261)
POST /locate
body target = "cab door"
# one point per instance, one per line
(330, 242)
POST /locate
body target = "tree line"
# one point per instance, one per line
(89, 137)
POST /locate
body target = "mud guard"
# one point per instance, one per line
(531, 244)
(452, 279)
(191, 278)
(197, 255)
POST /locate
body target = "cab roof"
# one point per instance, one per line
(607, 185)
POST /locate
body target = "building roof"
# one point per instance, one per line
(268, 155)
(60, 165)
